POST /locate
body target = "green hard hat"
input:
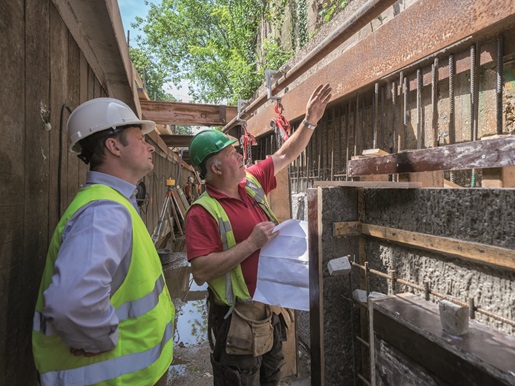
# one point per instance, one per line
(208, 142)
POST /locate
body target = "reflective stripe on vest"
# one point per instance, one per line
(141, 302)
(131, 309)
(233, 283)
(256, 191)
(110, 369)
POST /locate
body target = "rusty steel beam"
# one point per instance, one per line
(489, 153)
(189, 114)
(423, 29)
(351, 26)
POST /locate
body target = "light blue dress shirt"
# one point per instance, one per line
(92, 263)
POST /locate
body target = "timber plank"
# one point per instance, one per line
(58, 94)
(28, 260)
(177, 113)
(83, 97)
(466, 250)
(73, 99)
(371, 184)
(348, 228)
(508, 177)
(490, 153)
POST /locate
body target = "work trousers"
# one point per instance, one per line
(244, 370)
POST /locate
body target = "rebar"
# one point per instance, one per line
(420, 118)
(434, 101)
(452, 114)
(376, 110)
(473, 92)
(405, 91)
(431, 292)
(347, 137)
(499, 82)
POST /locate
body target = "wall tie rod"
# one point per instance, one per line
(434, 293)
(364, 380)
(364, 15)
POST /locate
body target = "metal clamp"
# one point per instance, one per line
(268, 75)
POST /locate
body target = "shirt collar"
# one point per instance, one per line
(125, 188)
(215, 193)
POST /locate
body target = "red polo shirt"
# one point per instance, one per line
(203, 234)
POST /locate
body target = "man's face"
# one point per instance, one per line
(136, 155)
(232, 163)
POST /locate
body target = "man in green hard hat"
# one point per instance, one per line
(225, 230)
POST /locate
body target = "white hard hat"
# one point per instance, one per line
(100, 114)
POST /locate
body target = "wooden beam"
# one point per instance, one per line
(349, 228)
(189, 114)
(450, 184)
(97, 28)
(426, 179)
(492, 178)
(176, 140)
(466, 250)
(371, 184)
(488, 153)
(374, 152)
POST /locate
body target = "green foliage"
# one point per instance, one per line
(331, 7)
(302, 23)
(183, 130)
(274, 55)
(212, 44)
(152, 73)
(274, 12)
(209, 43)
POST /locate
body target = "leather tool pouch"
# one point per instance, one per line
(249, 337)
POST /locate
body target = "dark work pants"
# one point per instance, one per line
(244, 370)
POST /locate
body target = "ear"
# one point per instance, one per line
(215, 168)
(112, 146)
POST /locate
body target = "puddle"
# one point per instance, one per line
(191, 323)
(189, 301)
(177, 371)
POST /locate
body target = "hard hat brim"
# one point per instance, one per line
(146, 127)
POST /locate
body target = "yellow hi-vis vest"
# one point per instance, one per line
(232, 286)
(143, 306)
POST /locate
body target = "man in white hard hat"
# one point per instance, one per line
(104, 315)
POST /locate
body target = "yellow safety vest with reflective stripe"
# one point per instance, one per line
(143, 306)
(232, 286)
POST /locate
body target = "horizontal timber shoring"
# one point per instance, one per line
(489, 153)
(189, 114)
(467, 250)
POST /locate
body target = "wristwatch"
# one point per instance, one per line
(309, 125)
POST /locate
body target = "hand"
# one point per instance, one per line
(316, 104)
(262, 234)
(81, 352)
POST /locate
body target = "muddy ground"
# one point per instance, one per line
(191, 365)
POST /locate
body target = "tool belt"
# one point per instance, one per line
(249, 336)
(251, 326)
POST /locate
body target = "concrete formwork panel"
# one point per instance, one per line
(471, 215)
